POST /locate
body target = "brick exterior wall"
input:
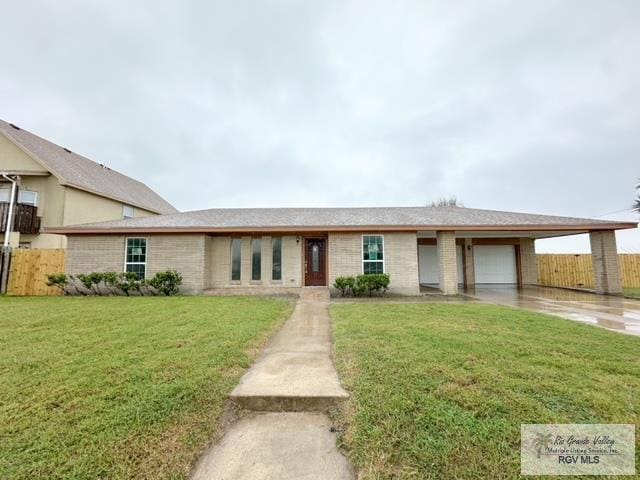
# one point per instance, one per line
(105, 253)
(447, 262)
(95, 253)
(400, 258)
(528, 262)
(184, 253)
(604, 255)
(219, 255)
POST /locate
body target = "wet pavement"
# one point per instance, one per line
(610, 312)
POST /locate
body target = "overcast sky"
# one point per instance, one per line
(525, 106)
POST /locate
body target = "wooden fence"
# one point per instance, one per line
(29, 270)
(567, 270)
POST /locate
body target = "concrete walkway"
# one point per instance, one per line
(285, 434)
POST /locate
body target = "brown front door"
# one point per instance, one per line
(315, 268)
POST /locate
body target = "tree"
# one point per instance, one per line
(636, 204)
(446, 202)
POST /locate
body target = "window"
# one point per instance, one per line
(276, 257)
(28, 197)
(236, 258)
(256, 259)
(4, 194)
(136, 257)
(127, 211)
(372, 254)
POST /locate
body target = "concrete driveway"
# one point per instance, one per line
(614, 313)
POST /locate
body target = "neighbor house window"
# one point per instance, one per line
(28, 197)
(372, 254)
(136, 257)
(256, 259)
(4, 194)
(236, 258)
(127, 211)
(276, 258)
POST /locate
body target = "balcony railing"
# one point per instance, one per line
(25, 218)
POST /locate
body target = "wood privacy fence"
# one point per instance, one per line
(567, 270)
(29, 270)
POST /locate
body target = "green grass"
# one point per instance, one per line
(439, 391)
(632, 293)
(120, 387)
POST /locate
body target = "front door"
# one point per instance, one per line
(315, 269)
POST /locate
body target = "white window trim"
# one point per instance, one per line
(35, 195)
(8, 189)
(133, 212)
(384, 255)
(146, 254)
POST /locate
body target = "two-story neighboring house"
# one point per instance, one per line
(57, 187)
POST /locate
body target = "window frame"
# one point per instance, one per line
(240, 242)
(256, 241)
(384, 256)
(124, 209)
(8, 189)
(272, 262)
(146, 254)
(35, 197)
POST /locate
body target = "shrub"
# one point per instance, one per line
(167, 282)
(344, 284)
(58, 280)
(367, 283)
(116, 283)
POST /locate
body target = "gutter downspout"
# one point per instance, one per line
(6, 248)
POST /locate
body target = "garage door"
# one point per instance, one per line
(495, 264)
(428, 264)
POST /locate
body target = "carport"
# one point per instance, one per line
(451, 259)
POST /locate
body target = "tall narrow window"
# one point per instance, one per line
(236, 258)
(276, 269)
(5, 193)
(256, 259)
(136, 257)
(372, 254)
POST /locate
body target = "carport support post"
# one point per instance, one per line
(447, 262)
(469, 273)
(604, 255)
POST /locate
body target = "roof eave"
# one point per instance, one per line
(79, 230)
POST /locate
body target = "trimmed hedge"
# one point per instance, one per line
(368, 283)
(116, 283)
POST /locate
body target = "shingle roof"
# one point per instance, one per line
(287, 219)
(80, 172)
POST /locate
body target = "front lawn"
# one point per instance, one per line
(631, 293)
(120, 387)
(439, 391)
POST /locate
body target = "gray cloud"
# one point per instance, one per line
(525, 106)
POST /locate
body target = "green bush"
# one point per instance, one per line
(368, 283)
(167, 282)
(116, 283)
(344, 284)
(58, 280)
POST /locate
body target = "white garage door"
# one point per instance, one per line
(428, 264)
(495, 264)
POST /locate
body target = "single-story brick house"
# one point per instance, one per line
(283, 249)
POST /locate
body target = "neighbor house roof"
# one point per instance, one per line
(322, 219)
(79, 172)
